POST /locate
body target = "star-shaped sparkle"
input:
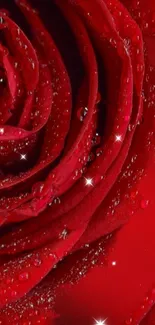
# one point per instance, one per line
(118, 138)
(23, 157)
(100, 322)
(88, 181)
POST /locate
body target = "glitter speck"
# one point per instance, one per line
(113, 263)
(118, 138)
(23, 157)
(88, 181)
(100, 322)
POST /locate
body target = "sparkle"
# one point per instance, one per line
(113, 263)
(100, 322)
(88, 181)
(23, 157)
(1, 130)
(118, 138)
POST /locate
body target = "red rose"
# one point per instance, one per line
(77, 82)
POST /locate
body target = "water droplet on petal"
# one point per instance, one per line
(146, 299)
(133, 194)
(24, 276)
(96, 139)
(144, 204)
(76, 175)
(99, 152)
(1, 20)
(63, 234)
(37, 189)
(139, 67)
(1, 80)
(57, 200)
(129, 321)
(37, 262)
(91, 157)
(13, 293)
(81, 113)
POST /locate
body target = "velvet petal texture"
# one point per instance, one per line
(77, 162)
